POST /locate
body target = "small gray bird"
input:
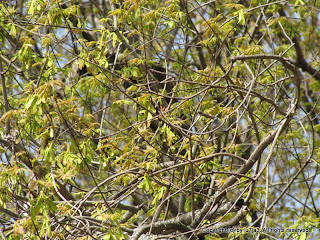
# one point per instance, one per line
(217, 126)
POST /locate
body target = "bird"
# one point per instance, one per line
(217, 126)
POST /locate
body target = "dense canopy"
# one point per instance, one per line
(151, 119)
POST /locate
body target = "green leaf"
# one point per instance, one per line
(52, 207)
(31, 103)
(51, 133)
(13, 30)
(303, 236)
(35, 210)
(146, 184)
(187, 205)
(299, 2)
(49, 153)
(241, 20)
